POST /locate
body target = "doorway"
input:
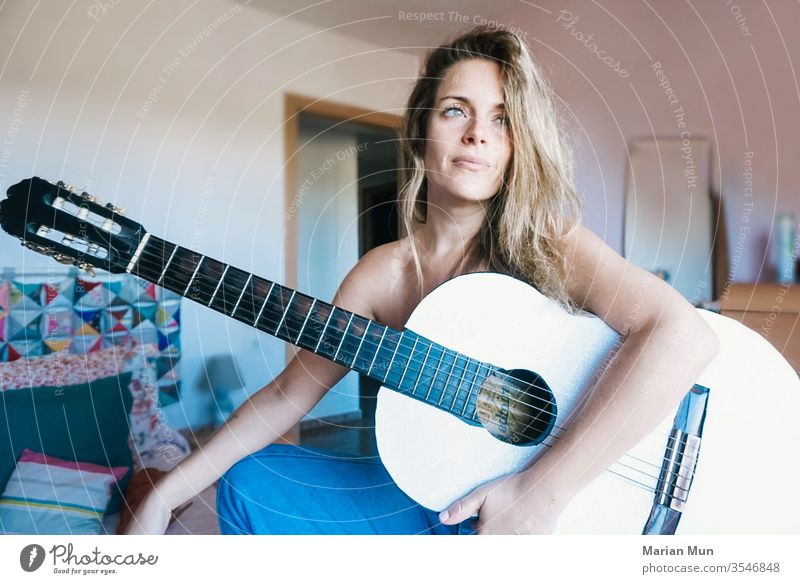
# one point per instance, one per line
(343, 204)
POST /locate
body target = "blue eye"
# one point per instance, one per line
(452, 108)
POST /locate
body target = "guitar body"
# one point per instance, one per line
(747, 471)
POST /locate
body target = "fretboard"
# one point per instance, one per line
(400, 360)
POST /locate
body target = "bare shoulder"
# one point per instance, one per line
(375, 282)
(626, 296)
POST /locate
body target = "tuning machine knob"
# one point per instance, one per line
(117, 210)
(83, 195)
(73, 262)
(38, 248)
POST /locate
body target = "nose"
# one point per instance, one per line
(476, 131)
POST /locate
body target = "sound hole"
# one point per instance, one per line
(517, 407)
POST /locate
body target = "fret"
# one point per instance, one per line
(285, 312)
(453, 389)
(166, 266)
(334, 333)
(194, 274)
(400, 360)
(255, 291)
(361, 342)
(298, 308)
(238, 300)
(367, 349)
(204, 280)
(344, 334)
(351, 339)
(447, 379)
(263, 304)
(214, 295)
(472, 398)
(458, 387)
(438, 354)
(230, 290)
(182, 266)
(405, 369)
(272, 310)
(324, 330)
(389, 366)
(305, 321)
(318, 316)
(438, 386)
(383, 364)
(378, 350)
(421, 369)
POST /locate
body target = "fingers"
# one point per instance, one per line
(462, 509)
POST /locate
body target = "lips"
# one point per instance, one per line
(471, 162)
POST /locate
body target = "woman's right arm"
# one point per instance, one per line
(264, 417)
(267, 415)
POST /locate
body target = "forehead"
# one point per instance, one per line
(476, 78)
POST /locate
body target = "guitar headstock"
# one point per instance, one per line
(73, 228)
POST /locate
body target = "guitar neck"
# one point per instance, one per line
(400, 360)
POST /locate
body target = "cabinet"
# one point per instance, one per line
(772, 310)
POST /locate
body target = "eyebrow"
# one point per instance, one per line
(499, 105)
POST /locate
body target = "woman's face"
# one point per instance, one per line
(468, 146)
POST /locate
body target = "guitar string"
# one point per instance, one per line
(471, 383)
(267, 320)
(156, 255)
(642, 485)
(368, 342)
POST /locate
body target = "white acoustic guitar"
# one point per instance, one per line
(480, 381)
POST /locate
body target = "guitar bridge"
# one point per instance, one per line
(680, 461)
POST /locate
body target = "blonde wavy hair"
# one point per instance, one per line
(525, 221)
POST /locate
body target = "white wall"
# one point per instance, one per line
(328, 232)
(200, 161)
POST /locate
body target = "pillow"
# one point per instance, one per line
(87, 422)
(154, 443)
(49, 495)
(64, 368)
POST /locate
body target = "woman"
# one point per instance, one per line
(487, 185)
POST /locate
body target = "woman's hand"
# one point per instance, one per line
(151, 517)
(508, 505)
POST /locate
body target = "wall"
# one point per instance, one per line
(328, 230)
(723, 70)
(175, 113)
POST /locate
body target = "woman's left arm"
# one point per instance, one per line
(667, 345)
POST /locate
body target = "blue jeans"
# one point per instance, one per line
(288, 490)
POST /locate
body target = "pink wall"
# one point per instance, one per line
(737, 86)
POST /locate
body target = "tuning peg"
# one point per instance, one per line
(63, 259)
(65, 186)
(88, 268)
(37, 248)
(87, 197)
(117, 210)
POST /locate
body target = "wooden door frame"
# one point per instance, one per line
(293, 105)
